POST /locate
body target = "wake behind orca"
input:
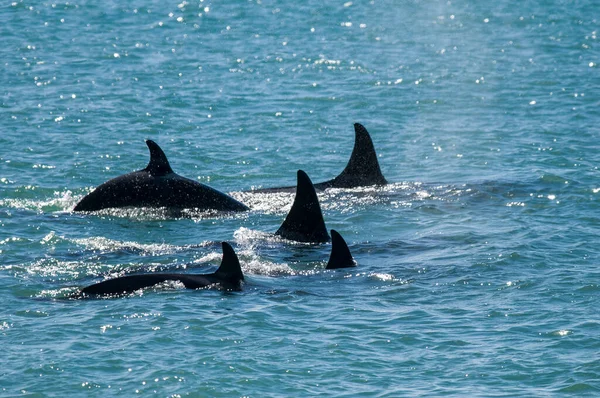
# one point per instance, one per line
(362, 168)
(157, 186)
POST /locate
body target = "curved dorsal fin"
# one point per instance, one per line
(363, 167)
(304, 222)
(230, 269)
(158, 165)
(340, 254)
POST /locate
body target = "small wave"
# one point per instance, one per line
(383, 277)
(267, 268)
(51, 268)
(106, 245)
(375, 276)
(12, 239)
(213, 257)
(270, 203)
(103, 244)
(169, 285)
(60, 201)
(343, 199)
(163, 213)
(248, 237)
(61, 293)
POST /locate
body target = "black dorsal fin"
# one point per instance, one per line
(340, 254)
(363, 167)
(230, 269)
(159, 164)
(304, 222)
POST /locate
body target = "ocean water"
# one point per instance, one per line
(478, 265)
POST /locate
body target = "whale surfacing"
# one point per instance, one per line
(157, 186)
(362, 168)
(228, 276)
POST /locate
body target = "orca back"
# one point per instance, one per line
(229, 276)
(157, 186)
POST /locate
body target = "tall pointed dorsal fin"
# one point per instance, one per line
(363, 167)
(159, 164)
(304, 222)
(340, 254)
(230, 268)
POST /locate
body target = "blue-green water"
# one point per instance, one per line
(478, 266)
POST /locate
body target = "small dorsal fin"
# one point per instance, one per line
(230, 269)
(159, 164)
(340, 254)
(363, 167)
(304, 222)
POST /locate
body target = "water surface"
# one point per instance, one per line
(477, 266)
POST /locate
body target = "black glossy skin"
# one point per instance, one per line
(340, 253)
(229, 276)
(131, 283)
(157, 186)
(362, 169)
(142, 189)
(304, 222)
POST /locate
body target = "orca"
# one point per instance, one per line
(304, 222)
(229, 276)
(157, 186)
(340, 254)
(362, 168)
